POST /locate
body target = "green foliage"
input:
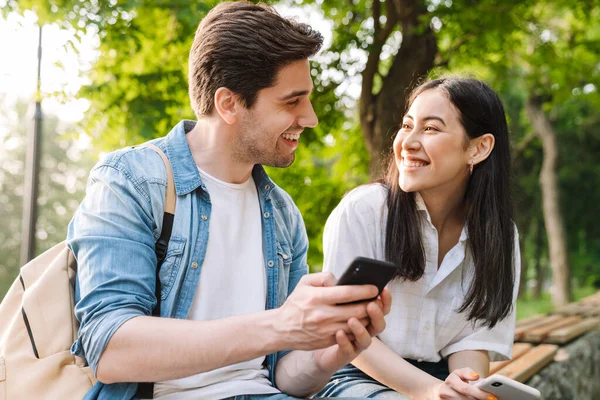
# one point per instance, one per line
(139, 88)
(528, 307)
(63, 171)
(547, 49)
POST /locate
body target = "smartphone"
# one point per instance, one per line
(505, 388)
(368, 271)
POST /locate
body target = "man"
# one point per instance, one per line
(238, 246)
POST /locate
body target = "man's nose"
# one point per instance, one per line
(308, 118)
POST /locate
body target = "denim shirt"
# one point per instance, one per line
(113, 232)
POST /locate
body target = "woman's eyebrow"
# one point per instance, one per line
(427, 118)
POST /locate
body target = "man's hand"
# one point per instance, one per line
(310, 318)
(456, 387)
(345, 350)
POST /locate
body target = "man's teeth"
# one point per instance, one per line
(414, 163)
(291, 136)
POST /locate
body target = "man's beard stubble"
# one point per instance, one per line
(247, 148)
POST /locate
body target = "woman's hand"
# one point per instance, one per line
(457, 387)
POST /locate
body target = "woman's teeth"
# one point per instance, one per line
(414, 164)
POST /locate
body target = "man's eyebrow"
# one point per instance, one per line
(427, 118)
(295, 93)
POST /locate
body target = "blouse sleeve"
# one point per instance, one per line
(353, 229)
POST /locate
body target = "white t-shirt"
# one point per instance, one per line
(423, 323)
(232, 282)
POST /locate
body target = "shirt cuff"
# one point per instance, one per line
(95, 335)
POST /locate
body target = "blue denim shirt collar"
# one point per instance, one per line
(185, 173)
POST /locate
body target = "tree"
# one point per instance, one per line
(63, 169)
(397, 43)
(138, 91)
(566, 37)
(382, 47)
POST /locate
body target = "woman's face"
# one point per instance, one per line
(430, 148)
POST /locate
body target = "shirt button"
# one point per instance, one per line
(267, 187)
(266, 214)
(204, 217)
(194, 265)
(270, 263)
(284, 256)
(269, 365)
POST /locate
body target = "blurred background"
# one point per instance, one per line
(79, 78)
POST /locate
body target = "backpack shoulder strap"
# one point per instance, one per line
(145, 390)
(170, 200)
(167, 227)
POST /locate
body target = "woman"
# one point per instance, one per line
(443, 215)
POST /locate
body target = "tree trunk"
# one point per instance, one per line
(561, 288)
(524, 268)
(539, 268)
(381, 113)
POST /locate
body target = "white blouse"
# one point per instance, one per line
(423, 323)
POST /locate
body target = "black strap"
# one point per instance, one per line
(161, 253)
(145, 390)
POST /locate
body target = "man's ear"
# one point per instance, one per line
(481, 147)
(227, 105)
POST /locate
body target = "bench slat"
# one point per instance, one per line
(592, 311)
(520, 331)
(530, 363)
(579, 309)
(518, 350)
(568, 333)
(592, 299)
(530, 320)
(538, 334)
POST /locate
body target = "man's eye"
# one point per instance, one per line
(294, 103)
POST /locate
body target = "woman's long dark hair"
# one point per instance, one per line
(488, 206)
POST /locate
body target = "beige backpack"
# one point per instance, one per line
(38, 324)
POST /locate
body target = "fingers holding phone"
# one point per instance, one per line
(319, 307)
(310, 318)
(457, 387)
(361, 272)
(504, 388)
(368, 271)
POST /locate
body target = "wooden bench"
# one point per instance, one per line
(538, 338)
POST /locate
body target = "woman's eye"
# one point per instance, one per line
(431, 128)
(405, 126)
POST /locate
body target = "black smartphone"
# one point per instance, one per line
(368, 271)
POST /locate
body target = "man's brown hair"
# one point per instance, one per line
(242, 46)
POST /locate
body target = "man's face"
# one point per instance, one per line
(270, 130)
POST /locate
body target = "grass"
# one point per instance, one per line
(526, 307)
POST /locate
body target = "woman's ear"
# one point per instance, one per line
(481, 147)
(226, 105)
